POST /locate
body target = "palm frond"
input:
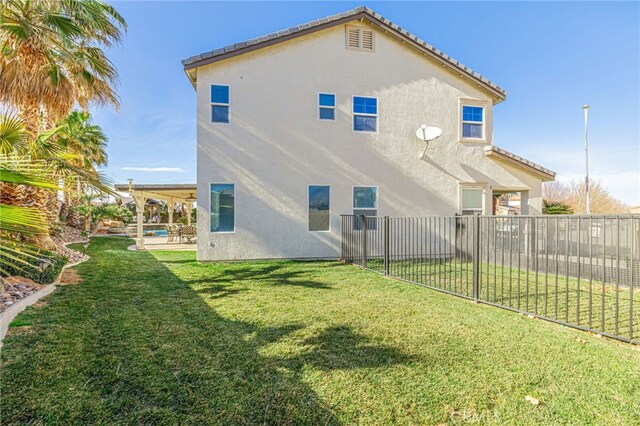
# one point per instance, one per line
(17, 178)
(24, 220)
(13, 134)
(17, 256)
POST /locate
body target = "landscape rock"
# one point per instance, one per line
(68, 235)
(16, 288)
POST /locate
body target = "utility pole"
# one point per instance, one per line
(585, 108)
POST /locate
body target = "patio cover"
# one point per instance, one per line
(171, 193)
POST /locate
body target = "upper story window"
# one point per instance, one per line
(219, 104)
(472, 200)
(472, 122)
(319, 207)
(223, 209)
(327, 106)
(359, 38)
(365, 114)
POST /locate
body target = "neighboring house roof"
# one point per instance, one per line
(498, 93)
(504, 155)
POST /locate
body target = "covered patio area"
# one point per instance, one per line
(171, 194)
(161, 243)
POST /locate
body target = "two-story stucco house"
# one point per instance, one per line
(300, 126)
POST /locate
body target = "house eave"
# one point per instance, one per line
(362, 13)
(515, 160)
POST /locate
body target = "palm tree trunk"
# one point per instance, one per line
(31, 114)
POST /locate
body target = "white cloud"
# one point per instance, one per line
(154, 169)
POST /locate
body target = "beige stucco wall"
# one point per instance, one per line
(275, 146)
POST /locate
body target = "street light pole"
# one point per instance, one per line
(585, 108)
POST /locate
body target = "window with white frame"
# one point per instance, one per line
(365, 203)
(327, 106)
(472, 122)
(219, 103)
(365, 114)
(319, 207)
(471, 201)
(223, 209)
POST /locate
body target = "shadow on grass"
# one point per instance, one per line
(217, 291)
(275, 275)
(134, 344)
(339, 348)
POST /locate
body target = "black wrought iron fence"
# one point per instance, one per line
(581, 271)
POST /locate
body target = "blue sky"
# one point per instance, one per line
(551, 58)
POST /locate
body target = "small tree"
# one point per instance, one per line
(573, 196)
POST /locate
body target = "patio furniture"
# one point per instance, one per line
(188, 232)
(173, 233)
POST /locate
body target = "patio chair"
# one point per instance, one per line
(173, 233)
(188, 232)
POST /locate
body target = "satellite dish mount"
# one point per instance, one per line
(428, 133)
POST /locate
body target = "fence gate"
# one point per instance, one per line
(580, 271)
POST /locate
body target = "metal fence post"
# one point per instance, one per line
(342, 250)
(364, 242)
(386, 245)
(476, 257)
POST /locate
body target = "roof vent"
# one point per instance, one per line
(358, 38)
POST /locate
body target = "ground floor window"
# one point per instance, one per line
(222, 207)
(472, 200)
(365, 203)
(319, 207)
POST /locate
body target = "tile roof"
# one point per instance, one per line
(509, 156)
(319, 24)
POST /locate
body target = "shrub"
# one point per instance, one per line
(33, 272)
(113, 212)
(106, 211)
(183, 219)
(555, 207)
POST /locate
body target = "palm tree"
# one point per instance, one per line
(18, 149)
(19, 176)
(51, 57)
(79, 136)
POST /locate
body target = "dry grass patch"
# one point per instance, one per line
(70, 277)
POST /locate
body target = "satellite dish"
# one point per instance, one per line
(427, 134)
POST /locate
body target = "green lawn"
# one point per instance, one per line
(612, 310)
(160, 339)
